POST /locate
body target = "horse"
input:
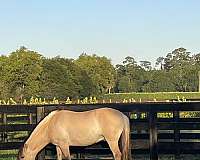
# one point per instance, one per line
(65, 128)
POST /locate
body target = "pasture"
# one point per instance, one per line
(152, 137)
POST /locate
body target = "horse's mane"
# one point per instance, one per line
(45, 120)
(20, 152)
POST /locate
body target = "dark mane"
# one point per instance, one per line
(20, 152)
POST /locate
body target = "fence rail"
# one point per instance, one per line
(150, 135)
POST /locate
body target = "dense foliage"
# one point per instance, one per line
(25, 73)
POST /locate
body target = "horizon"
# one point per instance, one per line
(144, 30)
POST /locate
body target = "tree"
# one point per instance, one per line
(4, 91)
(180, 64)
(57, 81)
(160, 61)
(196, 59)
(129, 61)
(125, 84)
(100, 70)
(129, 76)
(184, 78)
(159, 81)
(178, 57)
(23, 70)
(146, 65)
(83, 85)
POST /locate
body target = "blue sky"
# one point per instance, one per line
(143, 29)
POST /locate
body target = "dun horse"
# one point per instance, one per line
(67, 128)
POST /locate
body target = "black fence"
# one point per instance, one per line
(149, 134)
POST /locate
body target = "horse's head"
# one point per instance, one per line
(24, 153)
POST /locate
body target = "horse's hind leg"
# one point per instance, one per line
(115, 149)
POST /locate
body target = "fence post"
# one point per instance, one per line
(30, 118)
(176, 134)
(199, 79)
(153, 141)
(139, 130)
(4, 119)
(40, 116)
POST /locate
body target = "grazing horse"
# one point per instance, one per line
(65, 128)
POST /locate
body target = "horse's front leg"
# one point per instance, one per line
(63, 149)
(59, 153)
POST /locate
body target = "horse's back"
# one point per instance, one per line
(102, 116)
(109, 115)
(73, 120)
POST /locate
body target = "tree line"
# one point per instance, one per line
(25, 73)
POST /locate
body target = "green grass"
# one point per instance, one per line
(8, 154)
(159, 96)
(169, 157)
(11, 155)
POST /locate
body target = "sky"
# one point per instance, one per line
(143, 29)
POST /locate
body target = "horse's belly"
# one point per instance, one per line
(85, 139)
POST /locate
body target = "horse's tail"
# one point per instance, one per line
(125, 141)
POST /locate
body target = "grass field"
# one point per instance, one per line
(158, 96)
(11, 155)
(8, 155)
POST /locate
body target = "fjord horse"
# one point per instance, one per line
(65, 128)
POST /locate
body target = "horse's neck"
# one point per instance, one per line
(38, 140)
(39, 137)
